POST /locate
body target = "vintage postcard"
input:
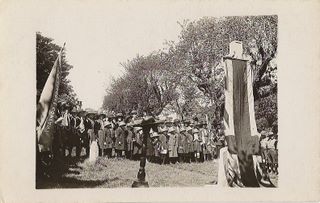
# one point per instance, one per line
(142, 101)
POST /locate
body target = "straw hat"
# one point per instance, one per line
(162, 130)
(137, 129)
(106, 124)
(188, 129)
(119, 115)
(154, 134)
(122, 123)
(171, 130)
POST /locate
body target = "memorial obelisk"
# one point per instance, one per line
(239, 122)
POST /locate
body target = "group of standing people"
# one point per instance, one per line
(117, 136)
(170, 141)
(269, 150)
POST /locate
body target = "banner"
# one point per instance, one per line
(46, 107)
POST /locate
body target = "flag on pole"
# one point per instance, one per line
(47, 105)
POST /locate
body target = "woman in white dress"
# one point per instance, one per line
(94, 149)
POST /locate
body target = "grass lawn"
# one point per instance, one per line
(111, 173)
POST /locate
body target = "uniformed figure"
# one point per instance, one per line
(150, 151)
(157, 146)
(172, 145)
(263, 147)
(163, 145)
(84, 141)
(119, 117)
(186, 123)
(272, 153)
(66, 130)
(109, 134)
(182, 142)
(88, 126)
(134, 115)
(220, 142)
(204, 136)
(150, 146)
(189, 145)
(176, 125)
(120, 140)
(137, 143)
(196, 144)
(101, 135)
(210, 148)
(129, 146)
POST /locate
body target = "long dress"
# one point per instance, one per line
(94, 149)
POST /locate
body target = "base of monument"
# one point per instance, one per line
(140, 184)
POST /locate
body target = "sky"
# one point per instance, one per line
(100, 36)
(97, 42)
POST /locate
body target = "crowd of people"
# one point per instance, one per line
(117, 136)
(171, 141)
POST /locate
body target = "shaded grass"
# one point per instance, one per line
(112, 173)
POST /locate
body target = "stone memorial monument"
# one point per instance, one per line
(237, 165)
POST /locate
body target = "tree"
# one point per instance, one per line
(203, 43)
(147, 86)
(47, 53)
(189, 74)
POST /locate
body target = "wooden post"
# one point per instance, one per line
(146, 124)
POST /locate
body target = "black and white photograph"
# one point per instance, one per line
(159, 101)
(198, 110)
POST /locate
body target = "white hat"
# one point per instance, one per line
(171, 130)
(107, 123)
(188, 129)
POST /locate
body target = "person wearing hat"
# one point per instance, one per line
(263, 146)
(189, 145)
(129, 139)
(108, 139)
(186, 123)
(150, 150)
(204, 135)
(163, 145)
(119, 117)
(137, 142)
(196, 144)
(98, 129)
(210, 147)
(134, 115)
(168, 123)
(81, 133)
(156, 145)
(172, 145)
(120, 140)
(182, 142)
(272, 153)
(94, 149)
